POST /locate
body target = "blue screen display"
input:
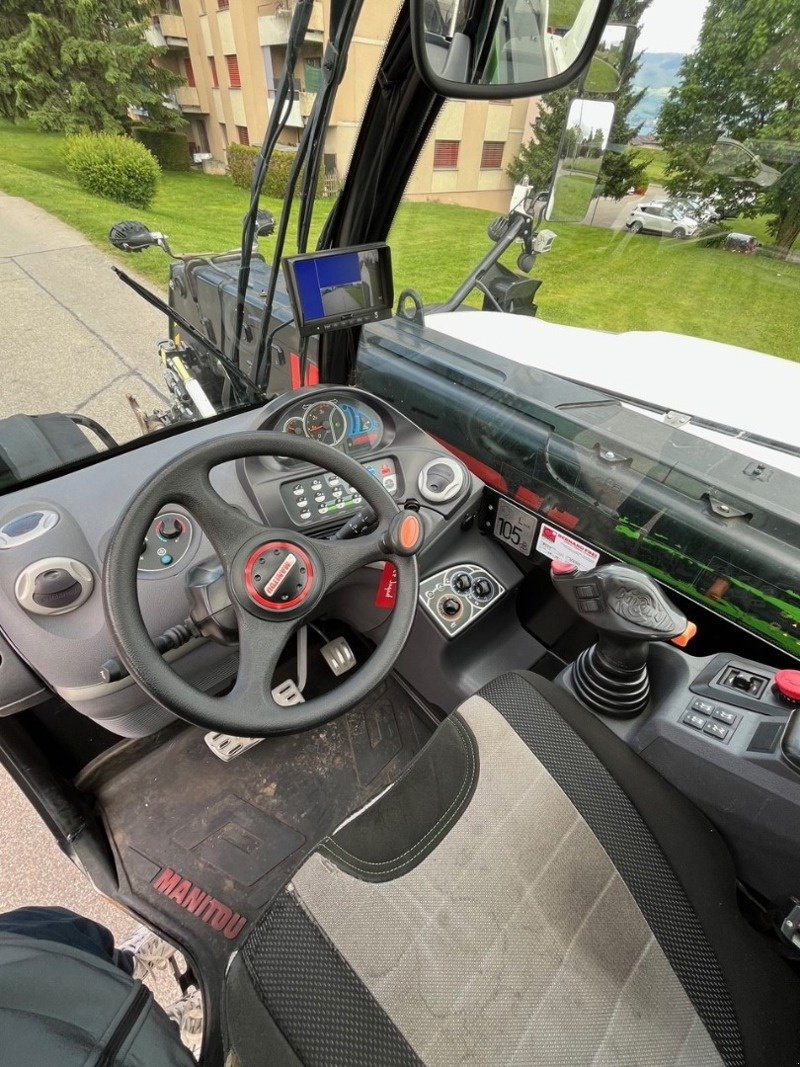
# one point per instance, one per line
(331, 286)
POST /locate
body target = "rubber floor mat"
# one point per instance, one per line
(202, 846)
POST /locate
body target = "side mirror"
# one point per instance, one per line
(611, 60)
(504, 49)
(132, 237)
(265, 223)
(731, 159)
(583, 145)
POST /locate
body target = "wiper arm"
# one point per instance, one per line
(284, 98)
(244, 391)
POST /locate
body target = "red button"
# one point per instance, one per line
(788, 685)
(559, 567)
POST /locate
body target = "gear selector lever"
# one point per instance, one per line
(629, 611)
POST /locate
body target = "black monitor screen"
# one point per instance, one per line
(347, 287)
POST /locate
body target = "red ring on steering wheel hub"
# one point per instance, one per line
(273, 573)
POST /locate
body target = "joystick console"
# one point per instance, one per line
(629, 611)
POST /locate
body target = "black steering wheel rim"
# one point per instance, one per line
(249, 709)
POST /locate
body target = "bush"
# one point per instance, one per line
(242, 162)
(171, 149)
(114, 167)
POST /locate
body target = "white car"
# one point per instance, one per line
(660, 216)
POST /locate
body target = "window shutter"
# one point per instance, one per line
(187, 63)
(244, 136)
(212, 66)
(492, 155)
(233, 71)
(445, 155)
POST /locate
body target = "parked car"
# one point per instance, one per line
(664, 217)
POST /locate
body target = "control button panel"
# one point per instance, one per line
(324, 496)
(710, 719)
(456, 597)
(166, 543)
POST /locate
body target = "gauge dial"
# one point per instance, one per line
(294, 425)
(325, 422)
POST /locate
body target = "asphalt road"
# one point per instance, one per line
(72, 338)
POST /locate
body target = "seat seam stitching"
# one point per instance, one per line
(448, 816)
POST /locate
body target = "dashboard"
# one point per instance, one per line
(53, 539)
(350, 425)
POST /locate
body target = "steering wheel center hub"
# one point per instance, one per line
(279, 576)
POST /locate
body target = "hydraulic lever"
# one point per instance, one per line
(629, 611)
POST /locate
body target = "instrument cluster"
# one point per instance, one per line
(351, 426)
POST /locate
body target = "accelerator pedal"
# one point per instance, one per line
(339, 656)
(227, 747)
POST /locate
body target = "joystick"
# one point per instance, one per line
(629, 611)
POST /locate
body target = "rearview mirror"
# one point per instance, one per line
(610, 60)
(580, 157)
(504, 49)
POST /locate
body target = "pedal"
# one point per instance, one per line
(287, 694)
(339, 656)
(227, 747)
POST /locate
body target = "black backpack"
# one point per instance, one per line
(61, 1007)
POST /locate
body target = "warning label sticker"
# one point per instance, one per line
(560, 546)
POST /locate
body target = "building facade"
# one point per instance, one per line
(232, 54)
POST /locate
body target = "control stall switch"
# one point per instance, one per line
(54, 586)
(456, 597)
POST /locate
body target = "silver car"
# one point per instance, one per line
(661, 216)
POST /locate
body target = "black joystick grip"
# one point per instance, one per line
(629, 611)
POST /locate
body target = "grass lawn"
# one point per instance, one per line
(592, 277)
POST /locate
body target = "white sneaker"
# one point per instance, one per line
(150, 953)
(187, 1014)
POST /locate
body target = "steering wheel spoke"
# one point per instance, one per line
(341, 558)
(225, 525)
(261, 645)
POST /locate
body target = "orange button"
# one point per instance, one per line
(410, 532)
(682, 640)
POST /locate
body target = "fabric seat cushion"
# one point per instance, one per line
(508, 903)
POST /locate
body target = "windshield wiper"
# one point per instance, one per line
(244, 391)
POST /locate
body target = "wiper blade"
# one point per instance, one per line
(244, 391)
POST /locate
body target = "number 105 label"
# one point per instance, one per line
(514, 527)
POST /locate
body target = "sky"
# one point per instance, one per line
(671, 26)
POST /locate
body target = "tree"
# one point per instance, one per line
(71, 65)
(742, 82)
(621, 168)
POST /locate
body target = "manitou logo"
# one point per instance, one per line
(199, 903)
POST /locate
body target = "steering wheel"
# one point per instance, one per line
(275, 579)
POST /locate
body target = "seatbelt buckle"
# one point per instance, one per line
(790, 927)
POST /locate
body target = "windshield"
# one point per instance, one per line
(660, 265)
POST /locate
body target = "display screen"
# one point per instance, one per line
(331, 290)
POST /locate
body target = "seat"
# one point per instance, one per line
(529, 892)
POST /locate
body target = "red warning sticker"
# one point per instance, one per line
(557, 545)
(387, 587)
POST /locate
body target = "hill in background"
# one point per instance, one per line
(658, 74)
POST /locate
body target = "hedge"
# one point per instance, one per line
(171, 149)
(112, 166)
(242, 161)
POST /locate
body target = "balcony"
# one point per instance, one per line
(187, 98)
(274, 29)
(306, 101)
(167, 31)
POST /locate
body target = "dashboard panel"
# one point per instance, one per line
(348, 424)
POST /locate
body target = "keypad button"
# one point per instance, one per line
(305, 515)
(691, 718)
(705, 707)
(724, 716)
(716, 729)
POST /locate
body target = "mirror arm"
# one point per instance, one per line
(520, 226)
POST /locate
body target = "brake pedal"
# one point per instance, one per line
(227, 747)
(339, 656)
(287, 693)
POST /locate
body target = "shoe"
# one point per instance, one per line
(187, 1014)
(150, 953)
